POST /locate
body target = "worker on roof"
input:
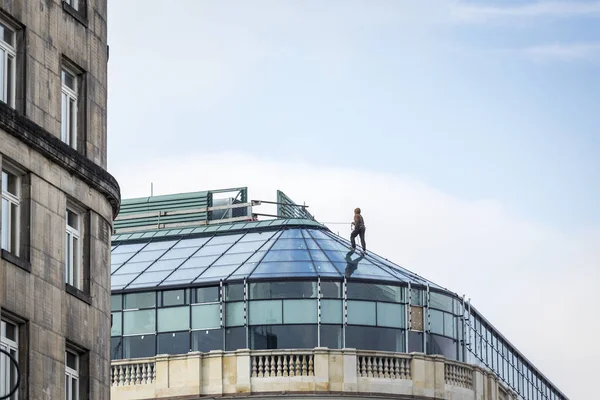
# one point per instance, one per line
(358, 229)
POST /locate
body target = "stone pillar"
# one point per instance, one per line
(479, 376)
(161, 369)
(439, 376)
(178, 375)
(321, 366)
(350, 372)
(244, 371)
(421, 376)
(212, 373)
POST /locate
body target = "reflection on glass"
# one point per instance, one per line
(139, 346)
(374, 338)
(332, 336)
(283, 337)
(235, 338)
(300, 311)
(369, 291)
(173, 343)
(174, 319)
(415, 342)
(332, 311)
(283, 290)
(265, 312)
(361, 313)
(441, 345)
(207, 340)
(206, 316)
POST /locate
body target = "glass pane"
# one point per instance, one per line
(72, 219)
(330, 289)
(283, 290)
(68, 80)
(5, 224)
(235, 338)
(436, 320)
(140, 300)
(75, 262)
(14, 229)
(144, 255)
(223, 239)
(234, 292)
(10, 68)
(178, 253)
(7, 34)
(207, 294)
(229, 259)
(283, 337)
(207, 340)
(234, 314)
(287, 255)
(148, 279)
(361, 313)
(390, 315)
(117, 324)
(182, 276)
(173, 343)
(206, 316)
(173, 297)
(368, 291)
(199, 262)
(71, 360)
(245, 247)
(300, 311)
(449, 325)
(416, 297)
(116, 348)
(135, 322)
(442, 345)
(332, 336)
(265, 312)
(332, 311)
(440, 301)
(374, 338)
(213, 250)
(116, 302)
(282, 269)
(166, 265)
(415, 342)
(139, 346)
(173, 319)
(64, 125)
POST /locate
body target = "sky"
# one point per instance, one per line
(467, 132)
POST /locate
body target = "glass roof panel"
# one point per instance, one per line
(252, 224)
(252, 236)
(256, 257)
(364, 270)
(325, 268)
(215, 273)
(243, 247)
(289, 244)
(147, 255)
(197, 262)
(161, 245)
(120, 281)
(118, 259)
(291, 234)
(183, 276)
(148, 279)
(166, 265)
(228, 259)
(195, 242)
(160, 234)
(331, 245)
(274, 269)
(221, 239)
(128, 248)
(212, 250)
(179, 253)
(243, 271)
(338, 256)
(318, 255)
(144, 234)
(287, 255)
(131, 267)
(311, 244)
(186, 231)
(317, 234)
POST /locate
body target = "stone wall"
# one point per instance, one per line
(317, 373)
(33, 291)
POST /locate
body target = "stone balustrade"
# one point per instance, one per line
(319, 372)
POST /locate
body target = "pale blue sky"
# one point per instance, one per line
(467, 131)
(480, 99)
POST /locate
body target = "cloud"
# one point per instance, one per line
(526, 278)
(564, 52)
(555, 9)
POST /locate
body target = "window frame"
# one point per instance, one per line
(72, 376)
(12, 199)
(10, 50)
(10, 346)
(72, 3)
(74, 233)
(71, 95)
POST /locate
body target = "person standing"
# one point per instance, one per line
(358, 230)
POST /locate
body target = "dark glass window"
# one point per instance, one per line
(139, 300)
(173, 343)
(235, 338)
(173, 298)
(441, 345)
(415, 342)
(116, 348)
(234, 292)
(207, 295)
(116, 302)
(283, 290)
(374, 338)
(139, 346)
(416, 297)
(369, 291)
(440, 301)
(332, 336)
(331, 290)
(207, 340)
(283, 337)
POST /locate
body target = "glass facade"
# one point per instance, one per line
(294, 288)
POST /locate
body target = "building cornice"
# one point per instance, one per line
(42, 141)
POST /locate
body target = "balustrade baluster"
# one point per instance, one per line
(304, 365)
(298, 366)
(261, 367)
(311, 365)
(254, 369)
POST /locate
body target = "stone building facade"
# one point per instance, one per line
(58, 200)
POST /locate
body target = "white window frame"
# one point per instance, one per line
(9, 52)
(72, 375)
(73, 265)
(12, 200)
(73, 3)
(69, 121)
(12, 347)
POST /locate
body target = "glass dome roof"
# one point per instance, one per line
(283, 252)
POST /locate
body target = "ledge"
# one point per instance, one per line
(78, 15)
(73, 291)
(51, 147)
(16, 260)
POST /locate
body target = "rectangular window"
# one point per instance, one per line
(71, 376)
(9, 343)
(10, 212)
(73, 259)
(8, 56)
(73, 3)
(69, 108)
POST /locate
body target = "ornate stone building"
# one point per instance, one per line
(58, 201)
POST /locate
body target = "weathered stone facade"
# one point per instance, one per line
(53, 316)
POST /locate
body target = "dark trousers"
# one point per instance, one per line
(358, 232)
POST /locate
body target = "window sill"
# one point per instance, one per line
(15, 260)
(73, 291)
(78, 15)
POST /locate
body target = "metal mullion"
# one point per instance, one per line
(428, 320)
(318, 310)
